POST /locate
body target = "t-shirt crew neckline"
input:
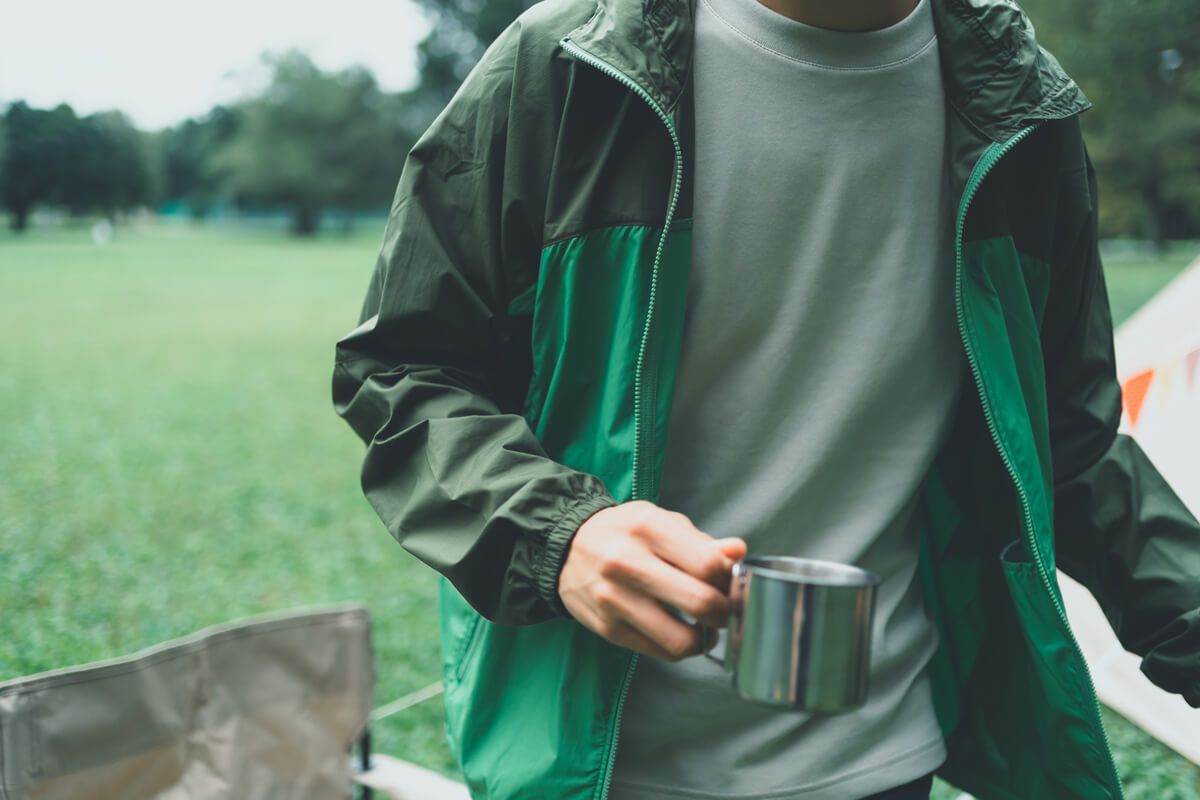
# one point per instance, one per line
(824, 48)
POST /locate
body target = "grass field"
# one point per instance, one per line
(170, 459)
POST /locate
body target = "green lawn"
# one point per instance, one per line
(170, 459)
(1133, 275)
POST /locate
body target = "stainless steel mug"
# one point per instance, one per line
(800, 633)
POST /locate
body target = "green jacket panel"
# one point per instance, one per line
(529, 709)
(590, 312)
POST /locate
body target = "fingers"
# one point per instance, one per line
(627, 563)
(632, 639)
(732, 548)
(674, 539)
(636, 622)
(663, 582)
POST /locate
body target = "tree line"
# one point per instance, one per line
(311, 142)
(314, 141)
(1139, 63)
(94, 163)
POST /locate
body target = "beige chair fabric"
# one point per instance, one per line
(401, 780)
(263, 708)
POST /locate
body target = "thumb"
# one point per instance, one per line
(732, 548)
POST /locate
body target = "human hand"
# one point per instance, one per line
(627, 560)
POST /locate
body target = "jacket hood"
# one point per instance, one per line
(997, 78)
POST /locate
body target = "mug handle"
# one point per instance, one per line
(738, 577)
(705, 631)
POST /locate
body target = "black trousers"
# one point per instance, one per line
(917, 790)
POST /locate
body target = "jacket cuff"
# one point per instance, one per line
(548, 562)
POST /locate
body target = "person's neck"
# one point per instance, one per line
(855, 16)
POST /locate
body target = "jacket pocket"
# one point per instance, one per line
(1042, 625)
(1072, 748)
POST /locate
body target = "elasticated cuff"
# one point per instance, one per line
(548, 562)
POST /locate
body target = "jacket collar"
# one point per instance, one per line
(650, 41)
(997, 78)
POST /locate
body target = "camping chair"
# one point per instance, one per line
(264, 708)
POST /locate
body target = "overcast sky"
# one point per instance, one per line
(162, 61)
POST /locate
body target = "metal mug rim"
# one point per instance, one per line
(843, 574)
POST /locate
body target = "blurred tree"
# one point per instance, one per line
(186, 156)
(98, 163)
(106, 166)
(1139, 62)
(314, 141)
(3, 149)
(34, 158)
(462, 30)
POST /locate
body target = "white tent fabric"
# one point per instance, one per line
(263, 708)
(1158, 362)
(1158, 353)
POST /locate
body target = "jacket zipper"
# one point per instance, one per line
(986, 162)
(643, 408)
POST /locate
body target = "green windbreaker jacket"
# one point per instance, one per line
(514, 367)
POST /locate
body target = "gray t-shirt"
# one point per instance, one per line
(820, 368)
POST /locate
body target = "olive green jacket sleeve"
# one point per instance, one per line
(1120, 529)
(433, 380)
